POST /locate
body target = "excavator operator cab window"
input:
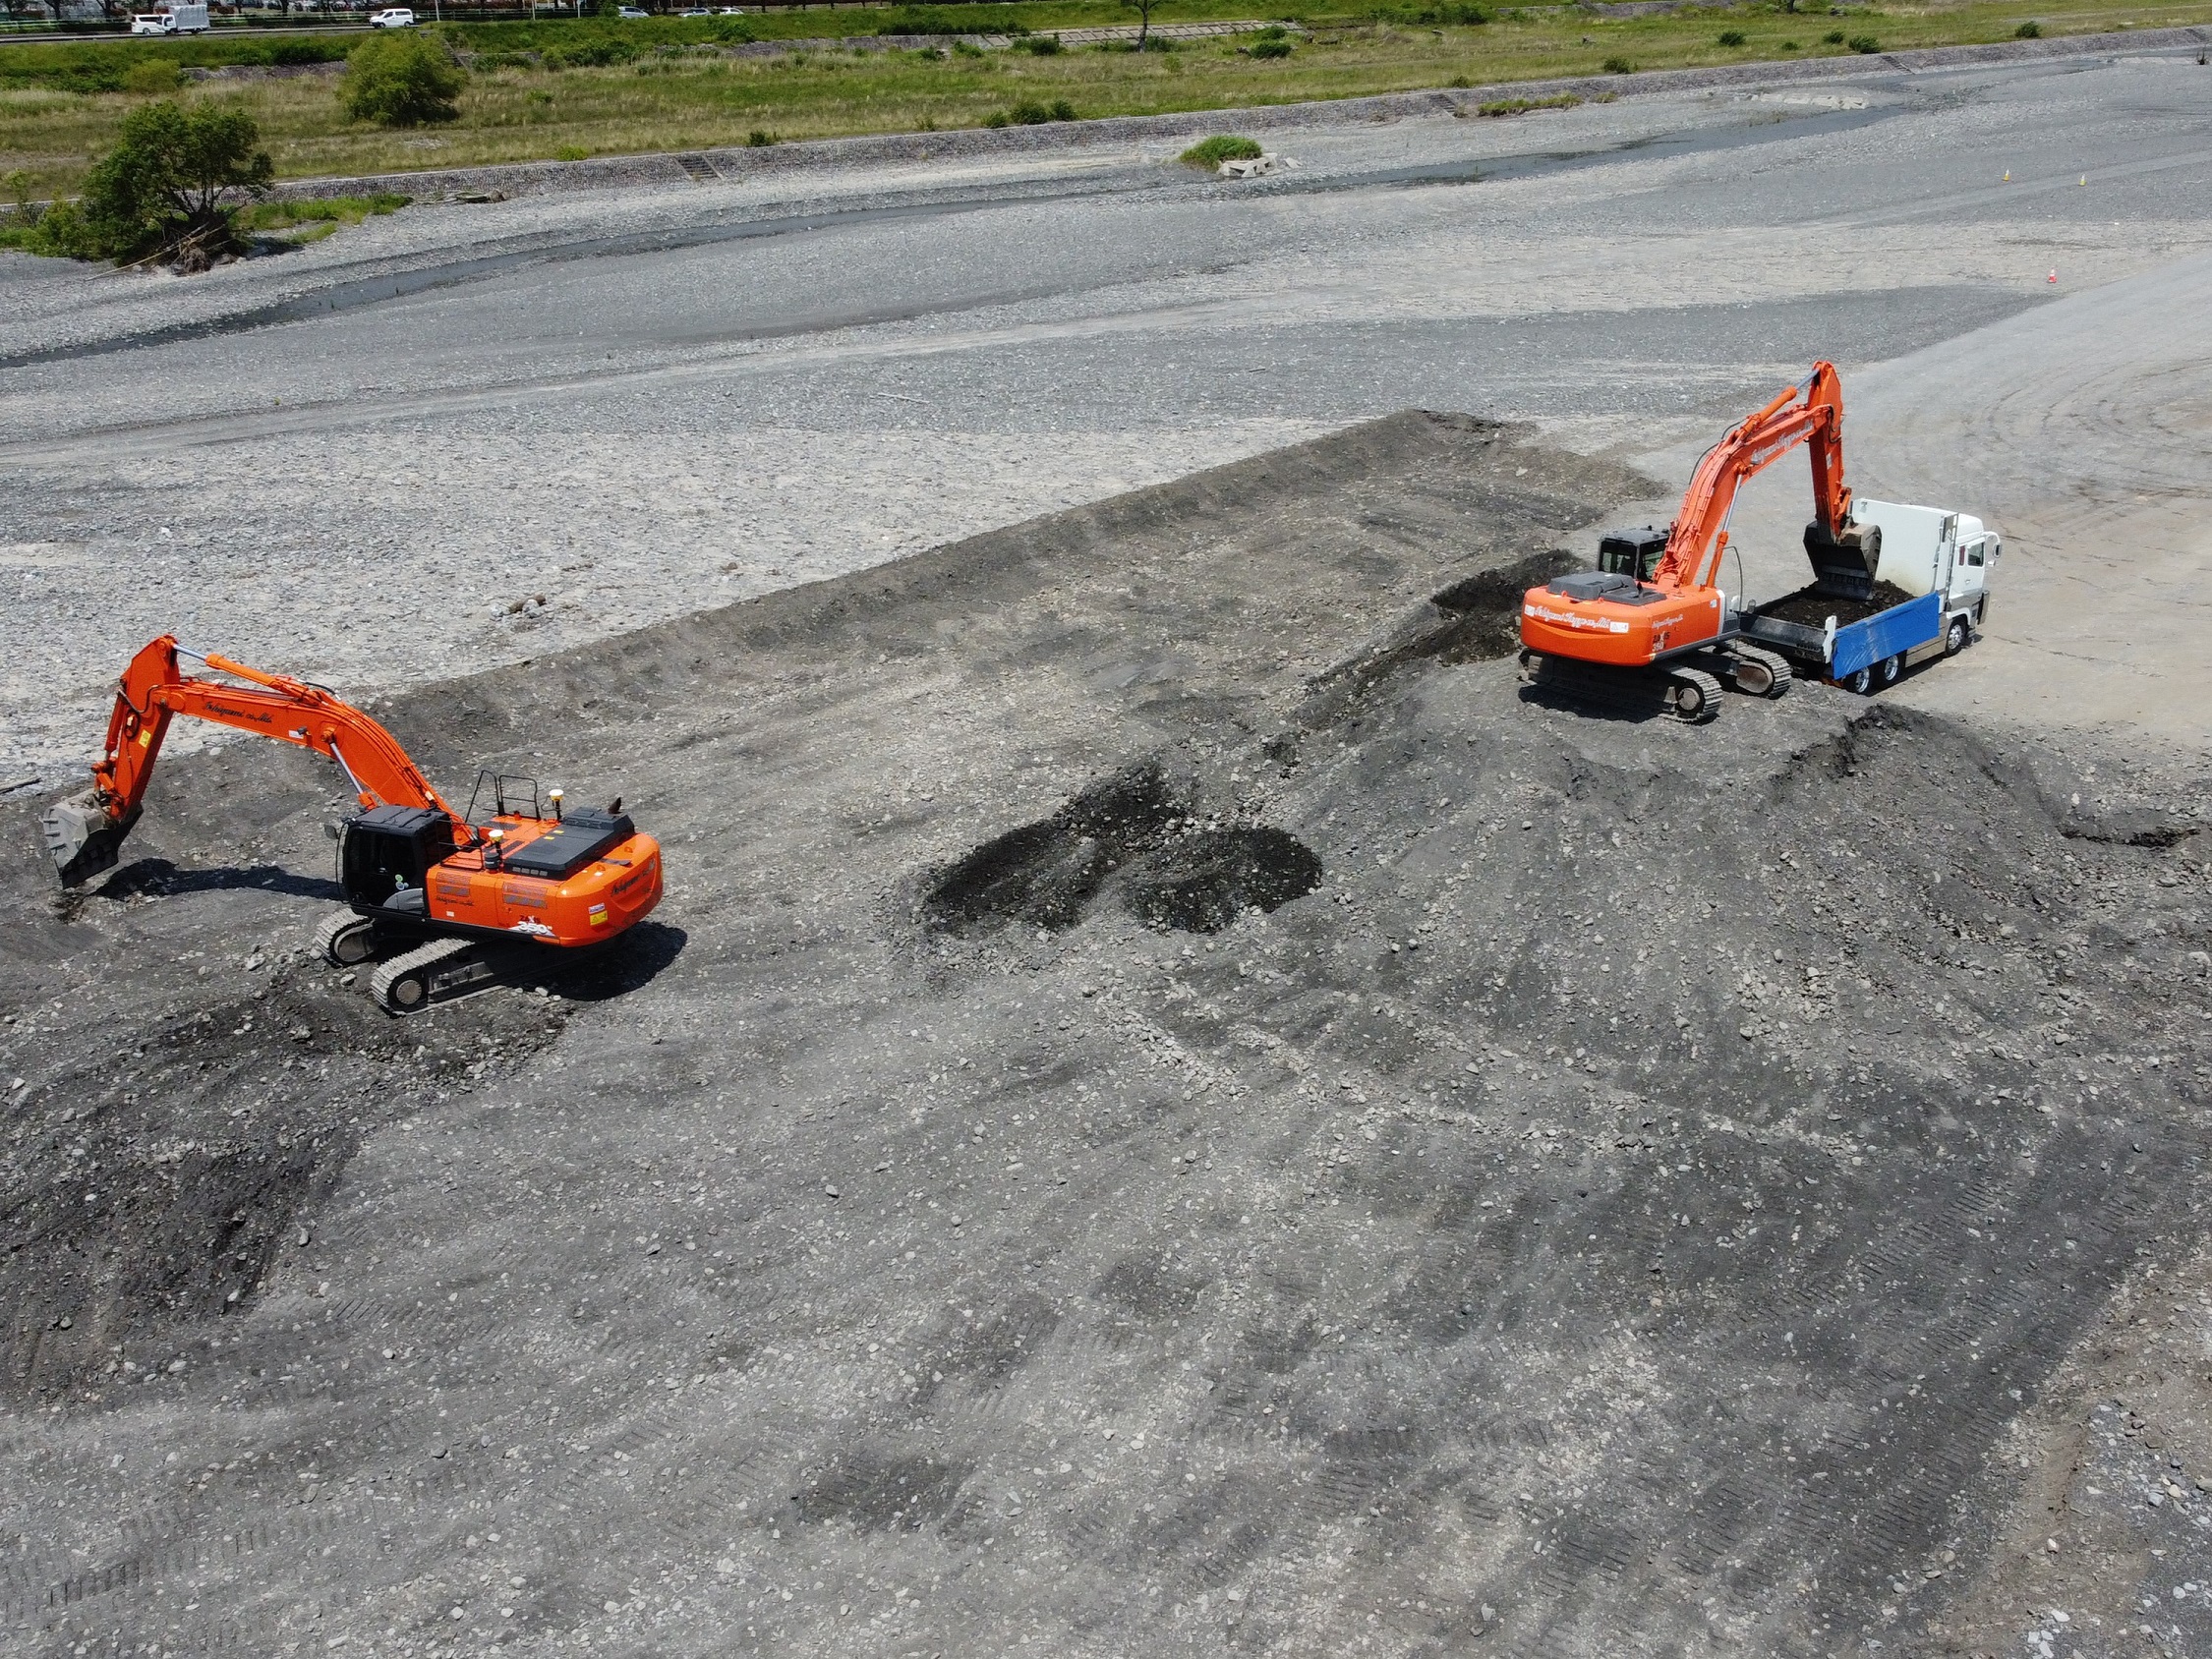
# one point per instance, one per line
(1632, 553)
(387, 853)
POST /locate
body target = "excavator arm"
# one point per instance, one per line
(1700, 536)
(84, 835)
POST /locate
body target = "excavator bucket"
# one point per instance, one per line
(82, 839)
(1844, 564)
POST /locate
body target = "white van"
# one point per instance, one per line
(392, 16)
(171, 19)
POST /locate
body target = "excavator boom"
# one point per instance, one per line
(85, 835)
(1698, 536)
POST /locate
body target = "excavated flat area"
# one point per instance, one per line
(1171, 1106)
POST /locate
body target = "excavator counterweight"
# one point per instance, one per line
(442, 902)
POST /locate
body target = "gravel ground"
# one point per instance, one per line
(923, 356)
(1170, 1105)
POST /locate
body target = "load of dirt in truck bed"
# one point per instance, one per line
(1811, 606)
(1170, 1105)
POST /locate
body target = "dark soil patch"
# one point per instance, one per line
(1044, 874)
(154, 1190)
(1207, 880)
(1811, 607)
(1180, 873)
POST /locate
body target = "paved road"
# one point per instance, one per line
(635, 405)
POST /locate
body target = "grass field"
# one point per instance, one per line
(680, 88)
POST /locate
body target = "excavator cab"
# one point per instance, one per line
(388, 851)
(1632, 553)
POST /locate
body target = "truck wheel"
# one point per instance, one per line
(1955, 637)
(1861, 682)
(1892, 667)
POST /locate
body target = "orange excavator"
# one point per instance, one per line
(441, 901)
(1652, 622)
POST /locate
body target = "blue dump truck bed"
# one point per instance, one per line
(1887, 633)
(1840, 649)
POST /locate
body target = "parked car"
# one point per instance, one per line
(695, 11)
(630, 11)
(392, 16)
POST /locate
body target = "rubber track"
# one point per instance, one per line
(421, 956)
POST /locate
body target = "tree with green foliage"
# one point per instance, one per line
(1143, 10)
(402, 77)
(166, 189)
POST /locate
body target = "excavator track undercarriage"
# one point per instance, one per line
(439, 970)
(1685, 692)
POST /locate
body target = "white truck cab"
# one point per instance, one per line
(1934, 550)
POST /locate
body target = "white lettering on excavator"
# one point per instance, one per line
(1594, 624)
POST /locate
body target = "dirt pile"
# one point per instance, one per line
(1625, 1199)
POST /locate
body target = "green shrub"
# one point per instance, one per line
(59, 232)
(759, 140)
(2029, 31)
(1463, 15)
(1210, 154)
(402, 78)
(1732, 38)
(1619, 66)
(1270, 48)
(1865, 43)
(166, 188)
(1789, 45)
(152, 77)
(1156, 44)
(1044, 45)
(291, 52)
(967, 48)
(330, 211)
(1833, 37)
(601, 53)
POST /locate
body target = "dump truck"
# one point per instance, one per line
(1929, 598)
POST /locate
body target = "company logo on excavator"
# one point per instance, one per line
(1572, 619)
(230, 713)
